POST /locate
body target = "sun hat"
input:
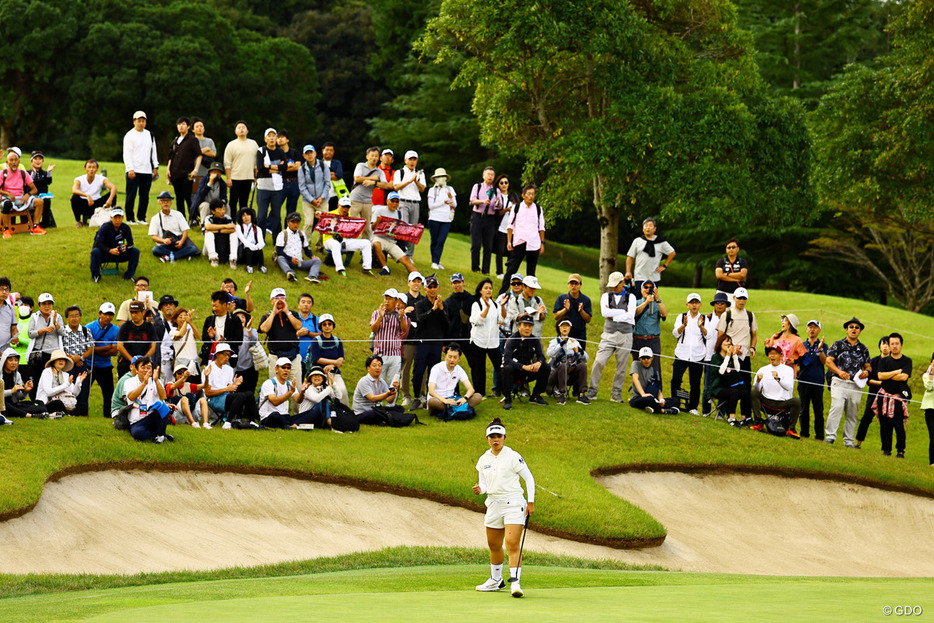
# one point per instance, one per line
(60, 354)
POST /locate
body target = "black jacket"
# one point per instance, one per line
(520, 351)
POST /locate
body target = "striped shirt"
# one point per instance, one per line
(388, 339)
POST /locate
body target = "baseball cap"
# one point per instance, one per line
(525, 319)
(308, 148)
(392, 195)
(45, 296)
(107, 308)
(575, 277)
(276, 293)
(37, 154)
(223, 347)
(646, 351)
(415, 275)
(455, 277)
(268, 130)
(325, 317)
(138, 114)
(17, 151)
(817, 322)
(283, 361)
(740, 293)
(516, 277)
(294, 217)
(118, 211)
(614, 279)
(165, 195)
(388, 151)
(693, 296)
(391, 292)
(411, 154)
(344, 201)
(135, 306)
(317, 371)
(431, 282)
(532, 282)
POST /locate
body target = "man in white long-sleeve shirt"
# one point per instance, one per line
(774, 387)
(618, 306)
(142, 167)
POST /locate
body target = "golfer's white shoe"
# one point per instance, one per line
(492, 585)
(516, 589)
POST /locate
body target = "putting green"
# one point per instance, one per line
(640, 596)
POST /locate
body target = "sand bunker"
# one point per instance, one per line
(135, 521)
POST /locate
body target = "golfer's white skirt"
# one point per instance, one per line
(502, 512)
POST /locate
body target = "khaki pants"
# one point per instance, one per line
(362, 210)
(309, 213)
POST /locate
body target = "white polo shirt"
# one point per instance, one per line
(499, 475)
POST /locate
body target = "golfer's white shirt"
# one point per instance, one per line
(499, 475)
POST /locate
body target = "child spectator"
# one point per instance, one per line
(220, 236)
(251, 241)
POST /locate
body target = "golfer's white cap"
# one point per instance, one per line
(693, 296)
(646, 351)
(391, 292)
(283, 361)
(411, 154)
(496, 429)
(223, 347)
(108, 308)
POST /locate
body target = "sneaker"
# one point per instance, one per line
(616, 399)
(791, 433)
(492, 585)
(342, 273)
(672, 411)
(747, 421)
(592, 394)
(226, 426)
(37, 231)
(886, 454)
(583, 399)
(57, 415)
(5, 421)
(291, 277)
(382, 272)
(647, 409)
(733, 422)
(406, 401)
(500, 277)
(158, 439)
(142, 221)
(693, 412)
(830, 441)
(857, 446)
(169, 437)
(249, 270)
(214, 263)
(195, 424)
(440, 267)
(507, 404)
(900, 455)
(163, 258)
(515, 589)
(312, 280)
(207, 426)
(96, 278)
(262, 269)
(435, 266)
(562, 399)
(232, 264)
(538, 400)
(368, 272)
(7, 234)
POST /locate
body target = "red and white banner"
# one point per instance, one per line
(346, 226)
(399, 230)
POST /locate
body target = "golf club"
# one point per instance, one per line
(547, 491)
(521, 545)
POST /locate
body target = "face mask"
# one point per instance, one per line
(24, 312)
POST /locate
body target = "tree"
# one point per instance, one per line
(637, 107)
(874, 145)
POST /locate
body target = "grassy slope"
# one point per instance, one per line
(563, 445)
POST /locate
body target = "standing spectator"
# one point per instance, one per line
(740, 324)
(313, 183)
(290, 245)
(719, 303)
(846, 359)
(690, 331)
(576, 307)
(281, 326)
(78, 345)
(46, 328)
(169, 230)
(337, 245)
(728, 384)
(240, 166)
(9, 329)
(293, 160)
(327, 351)
(182, 167)
(245, 367)
(483, 222)
(647, 251)
(383, 245)
(506, 202)
(142, 167)
(104, 332)
(530, 303)
(443, 381)
(442, 201)
(220, 236)
(165, 322)
(618, 307)
(18, 196)
(386, 158)
(811, 382)
(114, 243)
(788, 342)
(371, 391)
(732, 270)
(220, 327)
(872, 385)
(568, 363)
(892, 403)
(310, 328)
(525, 235)
(390, 326)
(927, 403)
(136, 337)
(86, 195)
(251, 241)
(270, 162)
(42, 178)
(366, 177)
(224, 392)
(523, 361)
(432, 331)
(457, 307)
(650, 312)
(411, 299)
(647, 385)
(485, 313)
(410, 184)
(335, 170)
(208, 155)
(210, 188)
(774, 387)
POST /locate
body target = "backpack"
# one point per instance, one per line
(516, 213)
(395, 416)
(777, 424)
(729, 318)
(343, 419)
(457, 412)
(122, 418)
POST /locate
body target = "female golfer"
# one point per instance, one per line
(499, 469)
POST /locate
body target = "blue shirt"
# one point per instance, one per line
(304, 342)
(812, 370)
(649, 323)
(102, 337)
(326, 347)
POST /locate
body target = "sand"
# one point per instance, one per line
(111, 522)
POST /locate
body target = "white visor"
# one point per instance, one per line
(496, 429)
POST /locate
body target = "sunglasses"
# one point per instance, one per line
(853, 326)
(732, 246)
(645, 358)
(515, 283)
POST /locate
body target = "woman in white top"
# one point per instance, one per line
(314, 407)
(86, 193)
(442, 200)
(505, 203)
(485, 314)
(142, 392)
(250, 250)
(499, 470)
(57, 389)
(185, 338)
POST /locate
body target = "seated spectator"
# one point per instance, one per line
(691, 333)
(314, 398)
(87, 196)
(774, 387)
(523, 361)
(788, 342)
(42, 178)
(223, 391)
(15, 392)
(114, 243)
(568, 362)
(728, 384)
(372, 391)
(647, 385)
(211, 188)
(18, 196)
(251, 241)
(136, 336)
(383, 245)
(290, 245)
(220, 236)
(390, 326)
(281, 327)
(169, 230)
(58, 391)
(118, 400)
(485, 314)
(274, 397)
(529, 300)
(327, 351)
(443, 383)
(78, 344)
(188, 396)
(141, 292)
(143, 391)
(246, 366)
(338, 245)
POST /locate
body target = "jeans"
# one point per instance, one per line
(141, 183)
(130, 256)
(150, 427)
(313, 266)
(476, 358)
(269, 201)
(188, 249)
(439, 233)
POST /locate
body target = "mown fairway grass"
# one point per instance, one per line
(563, 445)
